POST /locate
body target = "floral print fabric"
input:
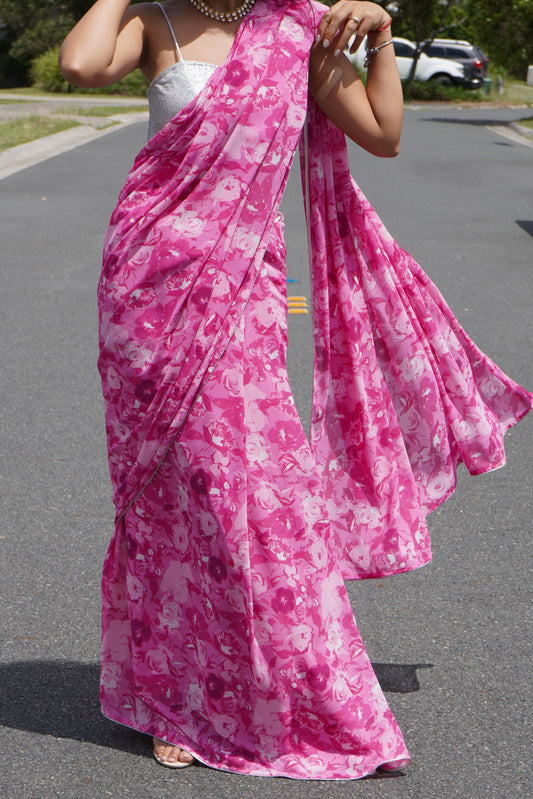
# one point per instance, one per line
(226, 625)
(401, 393)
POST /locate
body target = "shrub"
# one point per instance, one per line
(428, 90)
(133, 85)
(45, 74)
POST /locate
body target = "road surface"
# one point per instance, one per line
(450, 642)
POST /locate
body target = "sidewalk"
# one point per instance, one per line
(23, 156)
(21, 103)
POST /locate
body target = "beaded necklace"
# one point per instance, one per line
(223, 16)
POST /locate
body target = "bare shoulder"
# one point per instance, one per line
(150, 14)
(158, 47)
(149, 17)
(141, 14)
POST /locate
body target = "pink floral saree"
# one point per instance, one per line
(226, 625)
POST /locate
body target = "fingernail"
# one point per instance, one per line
(326, 43)
(318, 37)
(337, 53)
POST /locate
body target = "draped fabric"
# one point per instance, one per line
(401, 393)
(187, 237)
(226, 624)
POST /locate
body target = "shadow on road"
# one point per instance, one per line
(399, 678)
(526, 224)
(466, 121)
(61, 699)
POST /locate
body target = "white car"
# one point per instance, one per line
(440, 70)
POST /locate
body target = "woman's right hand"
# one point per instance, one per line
(105, 45)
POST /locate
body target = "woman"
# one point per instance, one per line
(227, 632)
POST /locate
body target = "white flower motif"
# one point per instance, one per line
(319, 554)
(224, 725)
(301, 637)
(334, 636)
(412, 368)
(112, 378)
(257, 452)
(227, 189)
(188, 222)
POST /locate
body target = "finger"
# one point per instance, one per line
(328, 33)
(350, 27)
(356, 44)
(332, 22)
(361, 33)
(324, 22)
(334, 11)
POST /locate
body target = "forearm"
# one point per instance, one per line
(89, 49)
(371, 116)
(384, 87)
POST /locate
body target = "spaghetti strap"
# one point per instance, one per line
(178, 51)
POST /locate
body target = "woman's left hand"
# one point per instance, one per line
(347, 17)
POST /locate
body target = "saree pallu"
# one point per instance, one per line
(226, 625)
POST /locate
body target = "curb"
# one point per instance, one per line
(514, 132)
(522, 130)
(23, 156)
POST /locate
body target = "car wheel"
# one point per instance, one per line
(442, 80)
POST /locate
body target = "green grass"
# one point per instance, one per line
(33, 91)
(527, 122)
(515, 92)
(25, 129)
(13, 102)
(101, 110)
(24, 90)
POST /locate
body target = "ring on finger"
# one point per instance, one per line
(355, 19)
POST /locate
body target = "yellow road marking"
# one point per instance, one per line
(297, 305)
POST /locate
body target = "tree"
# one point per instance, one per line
(31, 27)
(422, 21)
(503, 29)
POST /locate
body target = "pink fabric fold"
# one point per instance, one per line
(401, 393)
(187, 237)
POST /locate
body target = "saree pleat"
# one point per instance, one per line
(235, 637)
(226, 625)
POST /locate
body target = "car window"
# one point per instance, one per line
(436, 51)
(403, 50)
(457, 52)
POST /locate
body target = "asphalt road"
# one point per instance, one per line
(450, 642)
